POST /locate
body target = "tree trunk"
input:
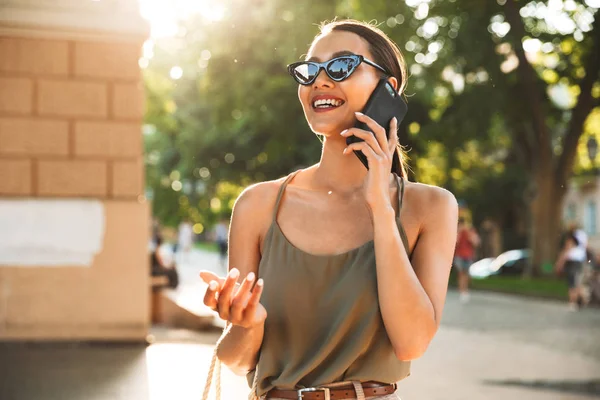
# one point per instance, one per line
(546, 222)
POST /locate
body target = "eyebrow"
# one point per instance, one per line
(334, 55)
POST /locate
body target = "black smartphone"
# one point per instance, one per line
(383, 105)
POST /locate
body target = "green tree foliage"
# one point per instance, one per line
(233, 115)
(509, 85)
(499, 94)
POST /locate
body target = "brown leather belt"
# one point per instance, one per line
(337, 393)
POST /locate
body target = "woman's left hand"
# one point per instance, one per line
(379, 152)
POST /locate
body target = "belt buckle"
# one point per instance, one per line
(325, 390)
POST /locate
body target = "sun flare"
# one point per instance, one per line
(164, 14)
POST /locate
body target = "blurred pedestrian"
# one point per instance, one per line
(185, 239)
(156, 227)
(355, 261)
(155, 232)
(159, 266)
(570, 263)
(594, 284)
(221, 238)
(467, 241)
(589, 279)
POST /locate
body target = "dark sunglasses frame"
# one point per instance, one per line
(358, 59)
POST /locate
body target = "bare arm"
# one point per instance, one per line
(412, 296)
(239, 349)
(562, 257)
(560, 262)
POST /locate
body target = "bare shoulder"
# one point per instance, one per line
(254, 207)
(430, 193)
(257, 197)
(431, 202)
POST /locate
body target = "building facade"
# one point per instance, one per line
(581, 205)
(73, 218)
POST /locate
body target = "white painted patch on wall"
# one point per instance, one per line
(36, 233)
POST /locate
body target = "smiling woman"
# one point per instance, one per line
(350, 265)
(163, 16)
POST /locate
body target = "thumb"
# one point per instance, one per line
(208, 276)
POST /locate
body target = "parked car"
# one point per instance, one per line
(511, 262)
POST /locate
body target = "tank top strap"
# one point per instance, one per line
(403, 236)
(400, 182)
(280, 194)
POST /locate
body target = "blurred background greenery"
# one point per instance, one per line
(503, 100)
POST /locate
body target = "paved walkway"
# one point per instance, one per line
(495, 347)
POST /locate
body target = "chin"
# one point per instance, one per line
(327, 130)
(330, 127)
(322, 129)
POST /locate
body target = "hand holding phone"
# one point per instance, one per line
(383, 105)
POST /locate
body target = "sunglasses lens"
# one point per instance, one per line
(305, 73)
(341, 68)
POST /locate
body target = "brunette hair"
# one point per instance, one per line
(385, 53)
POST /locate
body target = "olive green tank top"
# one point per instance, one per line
(323, 320)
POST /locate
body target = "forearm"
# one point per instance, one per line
(239, 349)
(406, 309)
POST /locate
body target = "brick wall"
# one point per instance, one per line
(70, 119)
(70, 127)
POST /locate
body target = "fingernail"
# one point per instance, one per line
(343, 132)
(260, 282)
(344, 152)
(395, 120)
(213, 285)
(234, 273)
(359, 113)
(250, 277)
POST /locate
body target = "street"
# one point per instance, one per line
(494, 347)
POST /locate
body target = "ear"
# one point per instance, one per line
(394, 82)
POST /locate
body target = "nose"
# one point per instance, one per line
(322, 80)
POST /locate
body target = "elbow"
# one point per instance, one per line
(409, 353)
(237, 370)
(414, 349)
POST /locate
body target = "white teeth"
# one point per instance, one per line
(327, 102)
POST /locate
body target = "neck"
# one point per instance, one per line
(342, 173)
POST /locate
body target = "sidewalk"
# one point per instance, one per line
(459, 365)
(496, 347)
